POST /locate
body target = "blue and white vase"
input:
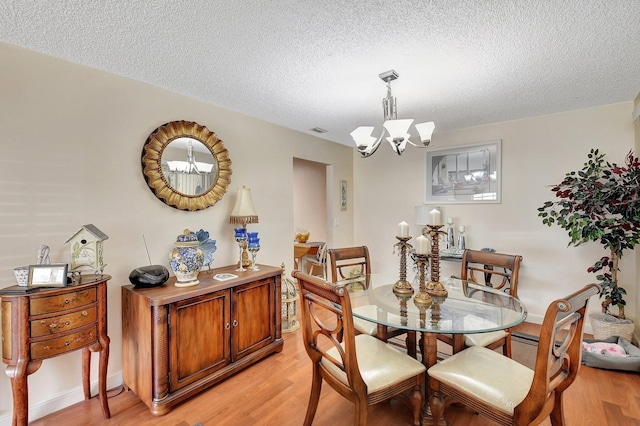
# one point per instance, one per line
(186, 259)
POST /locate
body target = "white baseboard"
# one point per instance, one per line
(61, 401)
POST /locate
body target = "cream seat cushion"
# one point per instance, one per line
(486, 375)
(368, 327)
(481, 339)
(380, 364)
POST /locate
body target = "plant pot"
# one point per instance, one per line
(605, 326)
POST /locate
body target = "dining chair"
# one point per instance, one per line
(350, 262)
(361, 368)
(508, 392)
(317, 261)
(496, 270)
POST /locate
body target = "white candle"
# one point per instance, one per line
(461, 228)
(422, 245)
(434, 217)
(450, 221)
(403, 229)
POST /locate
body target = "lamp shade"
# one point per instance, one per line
(426, 130)
(244, 212)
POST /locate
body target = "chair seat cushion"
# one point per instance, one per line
(487, 376)
(380, 364)
(483, 339)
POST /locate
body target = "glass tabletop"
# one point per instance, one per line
(467, 308)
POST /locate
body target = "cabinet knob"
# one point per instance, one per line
(66, 302)
(84, 313)
(235, 323)
(227, 327)
(67, 323)
(67, 343)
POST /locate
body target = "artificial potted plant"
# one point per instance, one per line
(600, 203)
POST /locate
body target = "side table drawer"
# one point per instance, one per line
(62, 323)
(63, 344)
(62, 302)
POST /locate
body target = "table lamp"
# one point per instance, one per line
(243, 213)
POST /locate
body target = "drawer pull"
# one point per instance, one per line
(67, 323)
(67, 343)
(227, 327)
(235, 323)
(84, 313)
(66, 302)
(53, 325)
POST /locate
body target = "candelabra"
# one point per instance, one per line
(402, 286)
(435, 287)
(422, 298)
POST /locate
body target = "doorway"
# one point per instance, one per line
(310, 199)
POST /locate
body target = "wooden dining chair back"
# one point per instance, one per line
(508, 392)
(346, 262)
(496, 270)
(361, 368)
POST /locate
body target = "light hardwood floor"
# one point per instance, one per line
(275, 391)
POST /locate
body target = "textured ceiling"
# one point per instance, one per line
(315, 63)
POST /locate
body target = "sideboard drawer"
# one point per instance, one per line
(60, 345)
(62, 302)
(62, 323)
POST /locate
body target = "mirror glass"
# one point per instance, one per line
(186, 165)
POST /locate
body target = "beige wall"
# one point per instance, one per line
(310, 198)
(71, 144)
(536, 152)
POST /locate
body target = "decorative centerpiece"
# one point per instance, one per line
(186, 259)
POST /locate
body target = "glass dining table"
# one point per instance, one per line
(467, 308)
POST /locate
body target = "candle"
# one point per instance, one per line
(450, 221)
(403, 229)
(461, 228)
(434, 217)
(422, 245)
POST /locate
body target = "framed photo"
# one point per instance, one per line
(464, 174)
(53, 275)
(343, 195)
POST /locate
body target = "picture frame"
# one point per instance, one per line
(469, 174)
(51, 275)
(343, 195)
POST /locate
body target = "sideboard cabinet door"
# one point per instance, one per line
(253, 326)
(200, 336)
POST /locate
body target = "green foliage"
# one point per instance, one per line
(600, 202)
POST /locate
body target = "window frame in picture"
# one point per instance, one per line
(57, 273)
(465, 157)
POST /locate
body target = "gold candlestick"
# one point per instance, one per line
(402, 286)
(422, 298)
(435, 287)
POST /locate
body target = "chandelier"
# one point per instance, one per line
(397, 130)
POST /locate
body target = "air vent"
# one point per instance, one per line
(318, 130)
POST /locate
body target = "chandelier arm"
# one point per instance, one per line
(375, 146)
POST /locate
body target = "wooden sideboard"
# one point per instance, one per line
(178, 341)
(50, 322)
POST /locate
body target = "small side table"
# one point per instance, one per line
(50, 322)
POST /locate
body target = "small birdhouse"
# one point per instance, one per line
(86, 249)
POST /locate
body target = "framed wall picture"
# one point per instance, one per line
(343, 195)
(464, 174)
(52, 275)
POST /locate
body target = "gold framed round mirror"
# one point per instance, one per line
(186, 166)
